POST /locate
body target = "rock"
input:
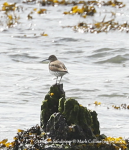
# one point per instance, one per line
(71, 111)
(67, 119)
(50, 103)
(95, 123)
(76, 132)
(61, 105)
(80, 116)
(57, 127)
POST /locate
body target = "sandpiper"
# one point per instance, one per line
(56, 67)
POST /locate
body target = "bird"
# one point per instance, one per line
(56, 67)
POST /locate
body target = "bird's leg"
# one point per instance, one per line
(60, 79)
(56, 79)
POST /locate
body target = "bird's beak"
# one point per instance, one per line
(44, 60)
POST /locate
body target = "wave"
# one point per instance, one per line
(116, 59)
(24, 57)
(112, 95)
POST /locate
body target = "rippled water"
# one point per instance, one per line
(98, 66)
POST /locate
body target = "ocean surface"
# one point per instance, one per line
(98, 66)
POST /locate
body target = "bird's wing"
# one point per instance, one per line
(57, 66)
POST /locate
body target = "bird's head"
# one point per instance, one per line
(52, 58)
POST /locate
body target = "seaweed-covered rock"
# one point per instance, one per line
(67, 119)
(57, 127)
(80, 116)
(71, 111)
(95, 123)
(61, 105)
(76, 132)
(50, 103)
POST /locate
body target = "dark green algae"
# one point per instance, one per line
(74, 113)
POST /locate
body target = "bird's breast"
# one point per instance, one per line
(57, 73)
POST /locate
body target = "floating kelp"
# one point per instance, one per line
(12, 20)
(82, 8)
(41, 11)
(11, 17)
(122, 106)
(97, 103)
(29, 16)
(117, 107)
(99, 27)
(113, 3)
(44, 34)
(29, 1)
(85, 10)
(38, 11)
(8, 7)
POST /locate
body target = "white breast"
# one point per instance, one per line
(57, 73)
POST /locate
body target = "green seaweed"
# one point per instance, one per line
(95, 123)
(50, 104)
(77, 116)
(61, 105)
(71, 110)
